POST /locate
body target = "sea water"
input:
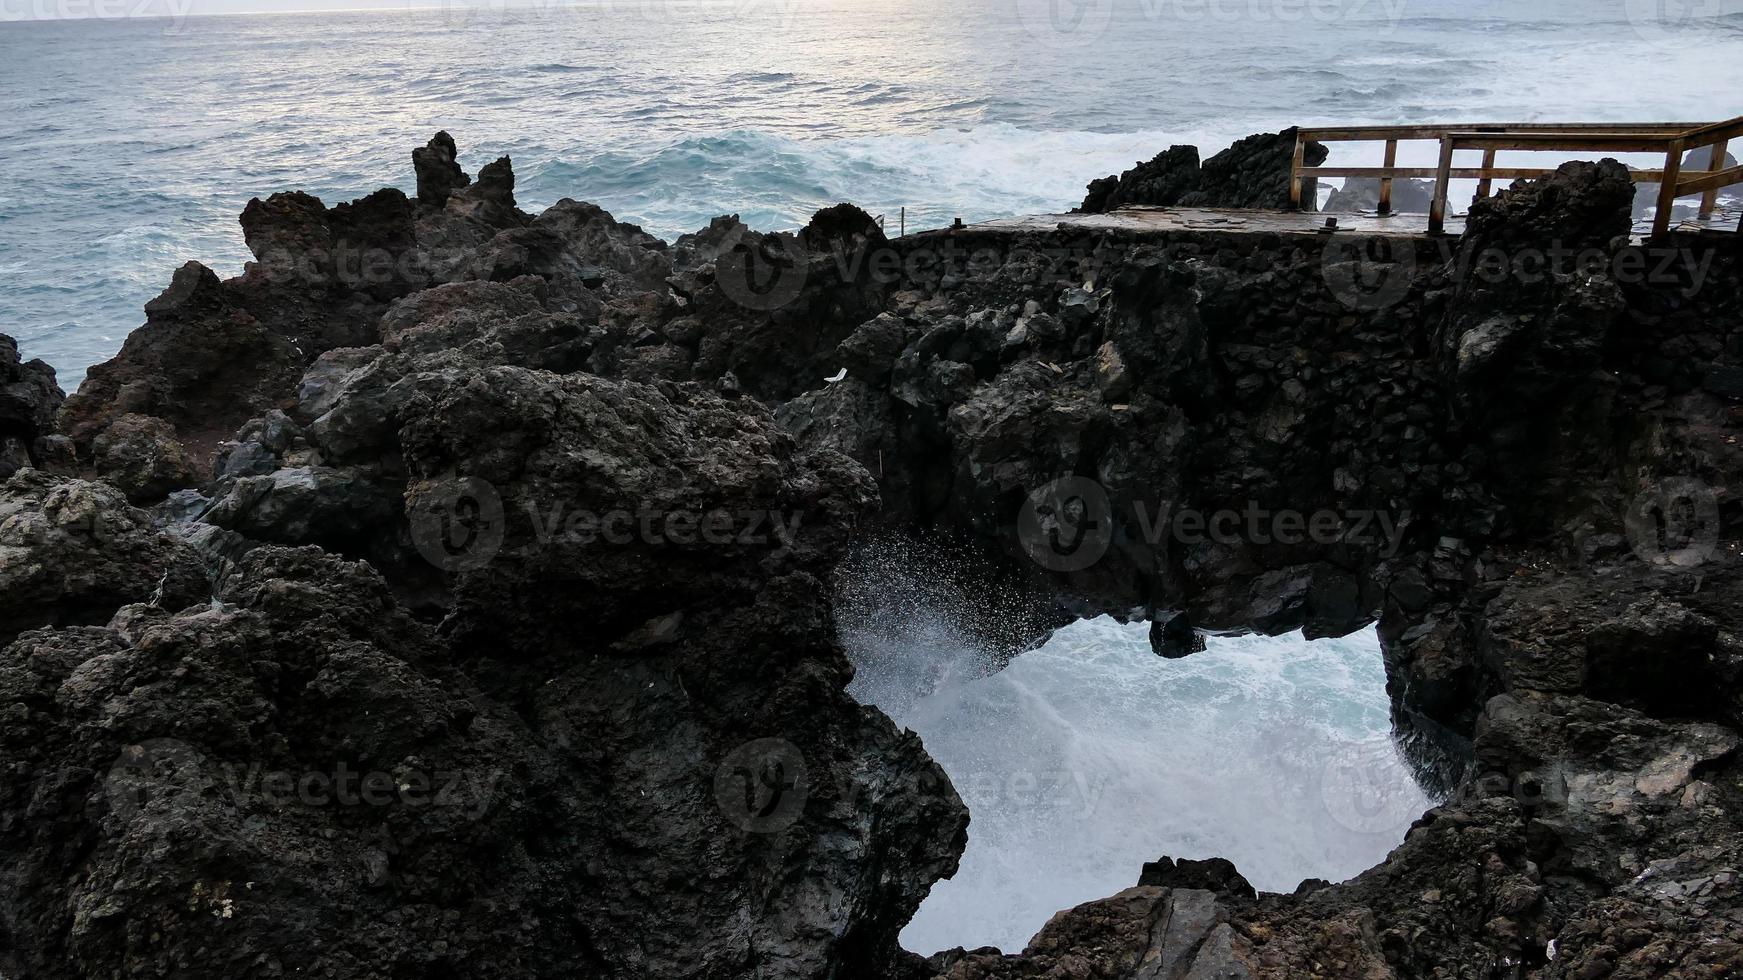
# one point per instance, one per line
(1089, 756)
(130, 145)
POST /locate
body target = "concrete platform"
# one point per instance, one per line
(1307, 223)
(1724, 218)
(1153, 219)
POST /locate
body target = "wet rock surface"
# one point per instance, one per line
(545, 514)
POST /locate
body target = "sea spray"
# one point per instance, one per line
(1087, 756)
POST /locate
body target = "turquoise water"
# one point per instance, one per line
(131, 145)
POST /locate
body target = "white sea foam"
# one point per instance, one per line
(1090, 755)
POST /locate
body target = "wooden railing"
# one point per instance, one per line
(1671, 139)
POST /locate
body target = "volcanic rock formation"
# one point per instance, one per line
(446, 595)
(1253, 173)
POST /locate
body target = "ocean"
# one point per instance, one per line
(131, 143)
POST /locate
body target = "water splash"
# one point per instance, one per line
(1088, 756)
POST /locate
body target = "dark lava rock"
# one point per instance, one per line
(439, 173)
(29, 401)
(200, 364)
(140, 455)
(1253, 173)
(72, 553)
(1359, 194)
(1172, 636)
(1213, 874)
(491, 199)
(1162, 181)
(655, 770)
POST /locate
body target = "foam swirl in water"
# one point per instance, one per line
(1090, 755)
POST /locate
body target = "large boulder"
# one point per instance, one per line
(438, 172)
(29, 401)
(141, 455)
(1253, 173)
(200, 363)
(72, 553)
(1362, 194)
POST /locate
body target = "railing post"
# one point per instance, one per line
(1295, 178)
(1386, 182)
(1667, 188)
(1715, 162)
(1442, 175)
(1488, 164)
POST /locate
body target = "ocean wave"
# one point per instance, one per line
(776, 181)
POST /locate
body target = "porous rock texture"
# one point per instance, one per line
(434, 546)
(1556, 449)
(557, 739)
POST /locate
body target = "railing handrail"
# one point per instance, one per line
(1342, 134)
(1673, 139)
